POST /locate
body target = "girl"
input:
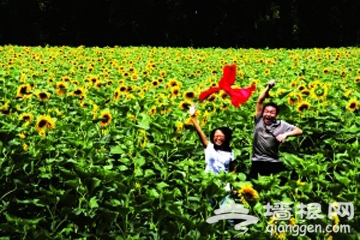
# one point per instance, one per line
(218, 154)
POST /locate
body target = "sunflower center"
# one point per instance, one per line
(43, 95)
(319, 92)
(78, 92)
(304, 107)
(190, 94)
(106, 118)
(352, 105)
(23, 90)
(42, 123)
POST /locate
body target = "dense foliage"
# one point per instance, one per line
(96, 143)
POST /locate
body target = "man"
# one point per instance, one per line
(268, 134)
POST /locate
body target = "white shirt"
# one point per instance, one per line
(217, 161)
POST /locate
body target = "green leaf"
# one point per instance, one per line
(145, 122)
(153, 193)
(161, 185)
(93, 203)
(341, 179)
(149, 173)
(116, 150)
(140, 161)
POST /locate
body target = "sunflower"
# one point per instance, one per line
(155, 83)
(134, 76)
(292, 221)
(224, 106)
(93, 78)
(326, 71)
(22, 90)
(105, 117)
(98, 84)
(163, 73)
(66, 79)
(161, 98)
(175, 91)
(300, 183)
(224, 95)
(44, 122)
(280, 91)
(352, 105)
(189, 95)
(211, 98)
(153, 110)
(314, 84)
(347, 93)
(22, 135)
(164, 108)
(294, 98)
(25, 147)
(42, 133)
(188, 122)
(267, 72)
(43, 96)
(79, 92)
(27, 117)
(122, 88)
(140, 93)
(144, 139)
(319, 91)
(210, 107)
(302, 87)
(4, 109)
(303, 105)
(357, 79)
(174, 83)
(117, 95)
(179, 127)
(109, 83)
(95, 110)
(23, 78)
(305, 92)
(248, 192)
(205, 118)
(184, 105)
(335, 218)
(131, 117)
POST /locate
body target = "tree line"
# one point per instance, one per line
(181, 23)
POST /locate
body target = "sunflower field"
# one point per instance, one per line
(97, 143)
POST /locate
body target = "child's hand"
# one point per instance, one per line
(272, 83)
(192, 110)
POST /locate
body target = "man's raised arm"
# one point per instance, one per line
(263, 95)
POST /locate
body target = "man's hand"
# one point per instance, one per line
(271, 84)
(281, 137)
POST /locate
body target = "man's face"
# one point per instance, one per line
(269, 115)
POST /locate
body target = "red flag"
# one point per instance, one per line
(238, 95)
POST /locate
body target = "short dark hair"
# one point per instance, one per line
(228, 136)
(271, 104)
